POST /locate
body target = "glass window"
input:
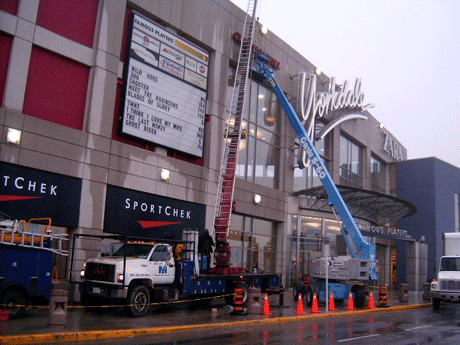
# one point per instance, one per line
(266, 161)
(350, 163)
(332, 231)
(268, 109)
(253, 248)
(377, 175)
(300, 179)
(160, 254)
(306, 245)
(258, 158)
(310, 234)
(305, 178)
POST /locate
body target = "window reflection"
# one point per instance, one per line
(306, 240)
(377, 175)
(253, 244)
(258, 156)
(350, 163)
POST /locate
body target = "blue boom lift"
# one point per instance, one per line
(344, 273)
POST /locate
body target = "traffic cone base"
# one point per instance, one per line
(314, 306)
(350, 302)
(331, 303)
(266, 308)
(300, 310)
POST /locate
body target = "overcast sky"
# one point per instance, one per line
(406, 52)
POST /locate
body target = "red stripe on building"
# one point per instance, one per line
(17, 197)
(153, 224)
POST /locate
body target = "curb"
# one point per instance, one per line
(122, 333)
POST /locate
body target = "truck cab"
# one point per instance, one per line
(446, 288)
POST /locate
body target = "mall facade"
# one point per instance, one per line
(112, 120)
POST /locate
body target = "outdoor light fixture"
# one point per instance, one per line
(164, 175)
(318, 71)
(257, 198)
(264, 29)
(380, 125)
(13, 136)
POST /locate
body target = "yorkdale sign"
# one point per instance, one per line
(315, 105)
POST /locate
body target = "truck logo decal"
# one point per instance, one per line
(163, 269)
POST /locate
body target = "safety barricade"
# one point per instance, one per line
(383, 297)
(254, 299)
(238, 300)
(58, 307)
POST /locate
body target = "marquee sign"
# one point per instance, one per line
(166, 80)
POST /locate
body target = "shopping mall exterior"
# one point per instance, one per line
(111, 96)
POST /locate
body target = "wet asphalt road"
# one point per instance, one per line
(415, 326)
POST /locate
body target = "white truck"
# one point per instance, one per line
(446, 288)
(142, 272)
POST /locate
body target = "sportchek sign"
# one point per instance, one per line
(27, 193)
(134, 213)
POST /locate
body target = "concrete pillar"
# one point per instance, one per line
(417, 265)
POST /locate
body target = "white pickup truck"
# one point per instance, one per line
(446, 288)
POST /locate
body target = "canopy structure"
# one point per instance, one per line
(375, 207)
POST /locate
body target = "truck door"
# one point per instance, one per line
(161, 265)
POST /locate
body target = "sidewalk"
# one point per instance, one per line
(112, 322)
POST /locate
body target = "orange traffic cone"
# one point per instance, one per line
(266, 308)
(331, 303)
(314, 306)
(300, 310)
(371, 301)
(350, 303)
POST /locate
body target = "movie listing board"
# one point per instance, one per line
(166, 83)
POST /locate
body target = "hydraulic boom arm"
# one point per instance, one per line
(358, 246)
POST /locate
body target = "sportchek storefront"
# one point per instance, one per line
(135, 213)
(27, 194)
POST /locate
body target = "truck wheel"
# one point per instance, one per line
(436, 303)
(14, 302)
(138, 301)
(360, 296)
(309, 296)
(298, 288)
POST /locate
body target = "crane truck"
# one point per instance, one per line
(446, 288)
(26, 264)
(145, 271)
(344, 273)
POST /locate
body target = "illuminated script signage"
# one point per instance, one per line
(166, 80)
(315, 105)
